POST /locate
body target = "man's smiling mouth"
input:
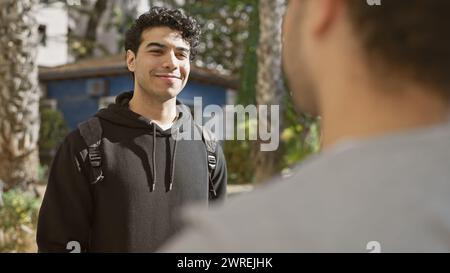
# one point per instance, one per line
(168, 76)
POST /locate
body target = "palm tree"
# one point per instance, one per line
(270, 86)
(19, 93)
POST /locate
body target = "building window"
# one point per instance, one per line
(96, 87)
(42, 30)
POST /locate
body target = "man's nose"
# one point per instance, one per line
(170, 61)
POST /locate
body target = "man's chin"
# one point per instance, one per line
(168, 94)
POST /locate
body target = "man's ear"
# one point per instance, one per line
(131, 60)
(326, 13)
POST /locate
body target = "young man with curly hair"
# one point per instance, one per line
(117, 181)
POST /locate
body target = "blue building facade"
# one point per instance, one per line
(80, 89)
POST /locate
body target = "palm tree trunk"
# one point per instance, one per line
(270, 86)
(19, 93)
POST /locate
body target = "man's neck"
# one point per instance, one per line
(159, 112)
(363, 113)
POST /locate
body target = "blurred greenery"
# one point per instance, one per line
(121, 21)
(228, 44)
(230, 40)
(225, 28)
(18, 221)
(300, 138)
(43, 173)
(230, 35)
(249, 68)
(240, 166)
(51, 133)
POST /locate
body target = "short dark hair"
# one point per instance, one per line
(172, 18)
(412, 36)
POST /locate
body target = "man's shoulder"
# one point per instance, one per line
(349, 188)
(74, 141)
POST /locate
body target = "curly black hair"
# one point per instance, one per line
(172, 18)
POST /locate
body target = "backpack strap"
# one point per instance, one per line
(211, 145)
(91, 132)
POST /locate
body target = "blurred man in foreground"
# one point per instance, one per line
(378, 77)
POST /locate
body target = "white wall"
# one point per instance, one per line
(55, 18)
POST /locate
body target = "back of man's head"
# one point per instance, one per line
(407, 36)
(368, 69)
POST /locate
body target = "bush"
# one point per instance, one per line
(18, 215)
(237, 153)
(43, 170)
(300, 137)
(240, 166)
(52, 132)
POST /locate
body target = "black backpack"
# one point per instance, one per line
(91, 131)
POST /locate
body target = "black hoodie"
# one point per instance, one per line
(148, 176)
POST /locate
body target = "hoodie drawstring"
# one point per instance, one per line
(172, 164)
(154, 159)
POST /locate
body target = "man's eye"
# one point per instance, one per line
(156, 52)
(181, 56)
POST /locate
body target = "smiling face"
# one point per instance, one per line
(161, 66)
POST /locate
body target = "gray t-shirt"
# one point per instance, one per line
(390, 194)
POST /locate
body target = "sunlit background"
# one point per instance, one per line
(63, 60)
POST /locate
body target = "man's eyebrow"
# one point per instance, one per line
(155, 44)
(184, 49)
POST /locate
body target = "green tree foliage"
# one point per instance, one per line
(240, 166)
(18, 216)
(53, 130)
(300, 138)
(225, 25)
(229, 42)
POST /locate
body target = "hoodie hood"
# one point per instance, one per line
(119, 113)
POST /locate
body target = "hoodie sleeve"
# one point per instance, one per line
(219, 176)
(64, 217)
